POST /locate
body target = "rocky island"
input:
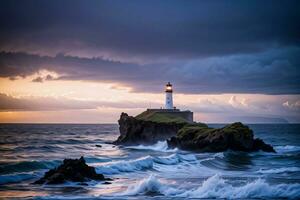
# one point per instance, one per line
(151, 126)
(148, 128)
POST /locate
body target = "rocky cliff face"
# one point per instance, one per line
(201, 138)
(189, 136)
(134, 131)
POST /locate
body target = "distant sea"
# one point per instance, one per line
(27, 151)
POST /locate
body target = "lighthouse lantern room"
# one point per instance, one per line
(169, 96)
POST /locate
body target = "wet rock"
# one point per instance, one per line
(98, 145)
(201, 138)
(260, 145)
(75, 170)
(135, 131)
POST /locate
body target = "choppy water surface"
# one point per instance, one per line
(141, 172)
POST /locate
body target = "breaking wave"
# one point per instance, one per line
(216, 187)
(142, 163)
(167, 160)
(126, 166)
(150, 185)
(174, 159)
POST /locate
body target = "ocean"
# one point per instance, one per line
(27, 151)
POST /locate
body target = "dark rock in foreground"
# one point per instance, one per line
(136, 131)
(75, 170)
(201, 138)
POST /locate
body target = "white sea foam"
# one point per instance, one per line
(126, 166)
(287, 148)
(219, 155)
(216, 187)
(159, 146)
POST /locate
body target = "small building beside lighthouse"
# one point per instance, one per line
(170, 109)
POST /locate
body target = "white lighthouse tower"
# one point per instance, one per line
(169, 111)
(169, 96)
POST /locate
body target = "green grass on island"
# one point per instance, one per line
(160, 117)
(199, 130)
(193, 130)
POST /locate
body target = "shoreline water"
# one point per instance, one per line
(140, 171)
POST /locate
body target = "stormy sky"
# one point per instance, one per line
(202, 47)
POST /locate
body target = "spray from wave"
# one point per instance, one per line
(159, 146)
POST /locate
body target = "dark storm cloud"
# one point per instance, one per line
(157, 28)
(201, 46)
(271, 72)
(74, 68)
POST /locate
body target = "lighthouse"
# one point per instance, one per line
(168, 110)
(169, 96)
